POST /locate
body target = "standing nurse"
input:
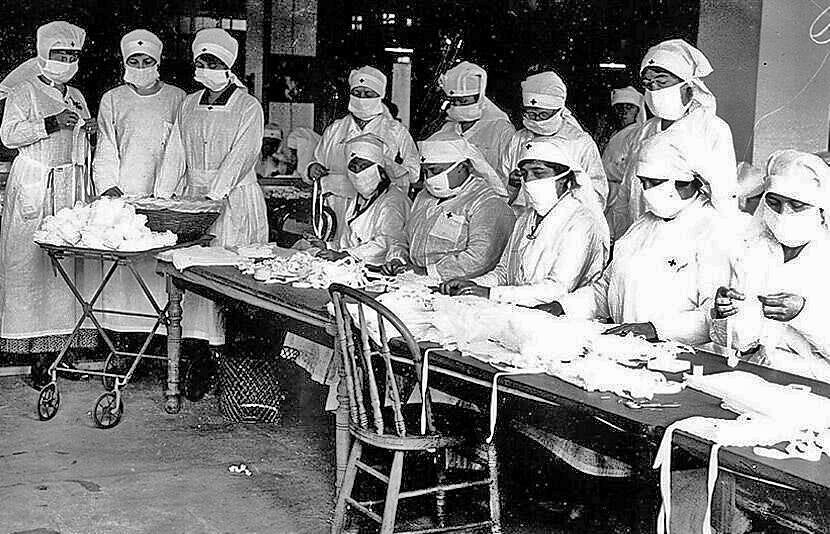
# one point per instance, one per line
(135, 120)
(213, 147)
(42, 119)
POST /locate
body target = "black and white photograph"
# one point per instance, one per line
(415, 266)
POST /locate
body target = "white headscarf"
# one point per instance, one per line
(684, 61)
(465, 79)
(217, 42)
(544, 90)
(452, 148)
(369, 77)
(59, 35)
(626, 95)
(800, 176)
(367, 146)
(141, 42)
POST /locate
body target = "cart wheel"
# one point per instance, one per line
(48, 401)
(113, 364)
(108, 410)
(199, 378)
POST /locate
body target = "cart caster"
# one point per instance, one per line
(108, 410)
(48, 401)
(112, 365)
(173, 404)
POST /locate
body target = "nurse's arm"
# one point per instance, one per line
(243, 155)
(19, 127)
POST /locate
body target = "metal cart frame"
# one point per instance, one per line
(109, 406)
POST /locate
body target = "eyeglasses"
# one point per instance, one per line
(540, 115)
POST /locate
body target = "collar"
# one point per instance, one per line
(223, 97)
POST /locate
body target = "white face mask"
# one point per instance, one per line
(541, 194)
(439, 184)
(664, 201)
(58, 71)
(469, 113)
(215, 80)
(366, 181)
(667, 103)
(546, 127)
(141, 78)
(793, 229)
(365, 108)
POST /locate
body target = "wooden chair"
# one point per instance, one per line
(366, 363)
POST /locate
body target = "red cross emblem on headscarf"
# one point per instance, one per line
(72, 43)
(533, 102)
(361, 80)
(141, 43)
(529, 146)
(651, 61)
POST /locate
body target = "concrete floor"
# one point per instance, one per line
(157, 473)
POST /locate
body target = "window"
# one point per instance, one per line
(388, 19)
(239, 25)
(409, 22)
(357, 22)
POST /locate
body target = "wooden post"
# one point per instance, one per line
(174, 346)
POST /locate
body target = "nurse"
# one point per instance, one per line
(377, 215)
(134, 120)
(776, 303)
(671, 73)
(42, 119)
(211, 153)
(627, 106)
(560, 241)
(459, 224)
(662, 279)
(367, 114)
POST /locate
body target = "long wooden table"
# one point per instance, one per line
(307, 316)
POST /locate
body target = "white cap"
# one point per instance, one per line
(626, 95)
(141, 42)
(548, 149)
(664, 157)
(465, 79)
(800, 176)
(369, 77)
(367, 146)
(678, 57)
(59, 35)
(544, 90)
(217, 42)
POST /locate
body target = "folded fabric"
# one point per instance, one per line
(200, 256)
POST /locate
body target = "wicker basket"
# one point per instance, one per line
(187, 225)
(249, 390)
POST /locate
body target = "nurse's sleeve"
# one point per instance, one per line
(591, 162)
(322, 152)
(499, 275)
(389, 233)
(812, 321)
(490, 227)
(106, 163)
(409, 171)
(724, 181)
(507, 158)
(576, 251)
(170, 178)
(243, 155)
(591, 301)
(20, 128)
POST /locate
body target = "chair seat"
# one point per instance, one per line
(453, 427)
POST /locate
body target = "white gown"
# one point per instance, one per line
(581, 148)
(459, 237)
(34, 302)
(133, 131)
(614, 160)
(569, 250)
(663, 272)
(378, 229)
(331, 153)
(211, 153)
(801, 345)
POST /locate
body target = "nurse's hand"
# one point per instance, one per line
(331, 255)
(553, 308)
(112, 192)
(514, 185)
(725, 299)
(644, 330)
(395, 267)
(66, 119)
(782, 306)
(317, 171)
(91, 127)
(459, 286)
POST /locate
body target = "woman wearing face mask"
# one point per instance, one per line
(545, 115)
(135, 120)
(367, 114)
(776, 301)
(473, 116)
(42, 119)
(458, 225)
(377, 215)
(559, 243)
(666, 267)
(211, 153)
(671, 74)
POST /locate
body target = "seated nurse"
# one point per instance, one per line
(459, 225)
(560, 241)
(776, 303)
(377, 215)
(666, 267)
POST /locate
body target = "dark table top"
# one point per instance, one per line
(310, 305)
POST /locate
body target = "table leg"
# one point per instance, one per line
(342, 439)
(174, 346)
(647, 490)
